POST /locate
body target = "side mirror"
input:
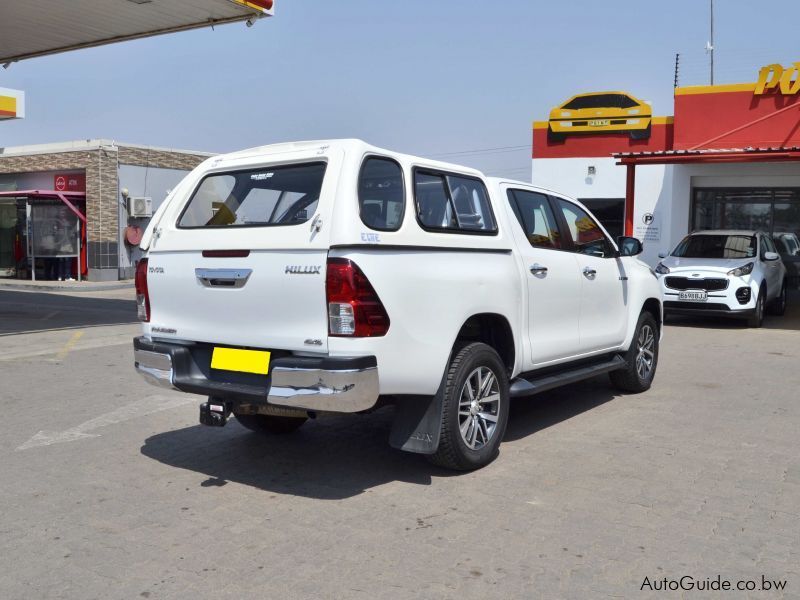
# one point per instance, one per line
(771, 256)
(629, 246)
(663, 254)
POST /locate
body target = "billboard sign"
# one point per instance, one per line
(12, 104)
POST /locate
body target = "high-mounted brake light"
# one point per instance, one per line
(142, 295)
(354, 309)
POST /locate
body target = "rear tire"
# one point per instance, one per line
(475, 405)
(757, 320)
(642, 358)
(778, 306)
(270, 424)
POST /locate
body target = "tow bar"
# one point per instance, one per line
(214, 413)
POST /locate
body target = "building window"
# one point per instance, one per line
(774, 211)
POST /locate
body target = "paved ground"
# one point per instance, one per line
(110, 489)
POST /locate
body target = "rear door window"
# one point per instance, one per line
(453, 203)
(267, 196)
(381, 195)
(536, 218)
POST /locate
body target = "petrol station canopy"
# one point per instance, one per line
(34, 28)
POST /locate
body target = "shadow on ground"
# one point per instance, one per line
(25, 312)
(341, 456)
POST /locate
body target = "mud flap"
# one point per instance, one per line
(417, 423)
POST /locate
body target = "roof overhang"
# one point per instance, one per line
(728, 155)
(39, 27)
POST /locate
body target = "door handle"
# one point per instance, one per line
(538, 269)
(589, 272)
(230, 278)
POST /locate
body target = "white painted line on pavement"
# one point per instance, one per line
(140, 408)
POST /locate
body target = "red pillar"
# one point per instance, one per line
(630, 186)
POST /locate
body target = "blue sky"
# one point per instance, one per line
(435, 77)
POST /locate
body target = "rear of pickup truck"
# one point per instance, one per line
(239, 298)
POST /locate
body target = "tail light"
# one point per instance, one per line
(354, 309)
(142, 296)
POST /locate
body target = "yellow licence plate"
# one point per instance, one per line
(244, 361)
(599, 122)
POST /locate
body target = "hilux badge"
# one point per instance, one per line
(306, 270)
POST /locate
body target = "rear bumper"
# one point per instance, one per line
(326, 384)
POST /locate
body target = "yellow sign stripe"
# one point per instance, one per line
(244, 361)
(715, 89)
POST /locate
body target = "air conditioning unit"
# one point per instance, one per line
(140, 207)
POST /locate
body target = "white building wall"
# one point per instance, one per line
(570, 176)
(664, 191)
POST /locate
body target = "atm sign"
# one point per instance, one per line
(69, 182)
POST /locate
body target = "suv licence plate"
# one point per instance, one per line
(599, 122)
(693, 295)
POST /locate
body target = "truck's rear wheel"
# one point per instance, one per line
(642, 357)
(270, 423)
(475, 407)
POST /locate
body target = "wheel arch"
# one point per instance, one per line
(653, 306)
(493, 330)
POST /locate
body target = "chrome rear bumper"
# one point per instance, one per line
(325, 384)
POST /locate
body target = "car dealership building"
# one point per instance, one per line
(729, 158)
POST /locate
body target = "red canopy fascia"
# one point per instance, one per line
(63, 196)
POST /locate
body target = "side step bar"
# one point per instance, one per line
(529, 385)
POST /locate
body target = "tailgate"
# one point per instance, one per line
(268, 299)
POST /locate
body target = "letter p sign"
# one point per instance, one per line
(774, 76)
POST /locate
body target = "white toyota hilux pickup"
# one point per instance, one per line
(297, 279)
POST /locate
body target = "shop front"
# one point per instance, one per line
(728, 159)
(74, 210)
(43, 235)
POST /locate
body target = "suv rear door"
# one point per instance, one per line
(241, 262)
(552, 278)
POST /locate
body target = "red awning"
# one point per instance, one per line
(710, 155)
(55, 194)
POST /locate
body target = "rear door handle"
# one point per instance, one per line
(227, 278)
(538, 269)
(589, 272)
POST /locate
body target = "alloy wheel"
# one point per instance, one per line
(479, 408)
(645, 357)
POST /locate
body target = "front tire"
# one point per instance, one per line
(270, 424)
(757, 320)
(475, 405)
(641, 358)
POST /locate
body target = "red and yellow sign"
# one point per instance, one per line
(260, 5)
(12, 104)
(775, 77)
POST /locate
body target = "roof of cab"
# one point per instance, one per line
(347, 145)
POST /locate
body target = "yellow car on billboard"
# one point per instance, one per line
(600, 112)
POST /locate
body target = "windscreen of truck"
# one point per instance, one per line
(716, 246)
(266, 196)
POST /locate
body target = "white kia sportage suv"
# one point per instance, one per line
(724, 273)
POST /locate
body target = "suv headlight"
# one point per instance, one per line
(661, 269)
(743, 270)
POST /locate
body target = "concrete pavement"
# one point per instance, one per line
(123, 495)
